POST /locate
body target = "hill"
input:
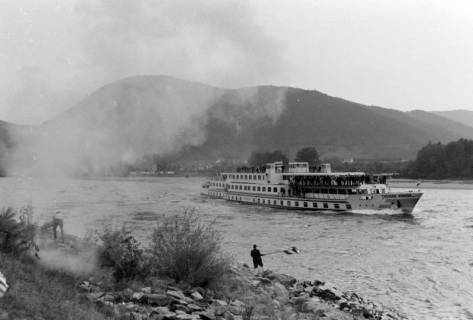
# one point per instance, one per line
(122, 122)
(462, 116)
(335, 126)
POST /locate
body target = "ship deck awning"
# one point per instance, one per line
(322, 174)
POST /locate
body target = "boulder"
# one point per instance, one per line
(146, 290)
(235, 310)
(137, 296)
(284, 279)
(280, 293)
(327, 294)
(313, 305)
(220, 310)
(193, 307)
(157, 299)
(92, 296)
(263, 280)
(196, 295)
(109, 297)
(208, 314)
(84, 285)
(177, 294)
(161, 313)
(218, 302)
(137, 316)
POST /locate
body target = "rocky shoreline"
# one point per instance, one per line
(269, 296)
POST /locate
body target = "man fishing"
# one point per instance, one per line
(256, 255)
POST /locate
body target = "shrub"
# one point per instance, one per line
(185, 249)
(121, 252)
(17, 236)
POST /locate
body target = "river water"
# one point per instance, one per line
(419, 265)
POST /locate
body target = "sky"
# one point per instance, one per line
(403, 54)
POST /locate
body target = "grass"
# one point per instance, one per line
(38, 293)
(182, 248)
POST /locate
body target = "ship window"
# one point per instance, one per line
(259, 200)
(282, 202)
(296, 203)
(254, 188)
(263, 201)
(337, 206)
(275, 189)
(259, 189)
(289, 203)
(259, 177)
(314, 204)
(348, 206)
(325, 205)
(305, 204)
(282, 190)
(264, 189)
(246, 176)
(250, 176)
(274, 202)
(240, 188)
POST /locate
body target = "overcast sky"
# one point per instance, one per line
(403, 54)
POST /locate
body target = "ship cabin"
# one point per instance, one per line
(297, 179)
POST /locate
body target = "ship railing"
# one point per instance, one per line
(329, 196)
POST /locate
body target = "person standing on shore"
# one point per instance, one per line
(257, 260)
(58, 221)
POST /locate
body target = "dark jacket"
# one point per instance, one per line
(256, 255)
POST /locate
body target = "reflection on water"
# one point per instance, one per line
(417, 264)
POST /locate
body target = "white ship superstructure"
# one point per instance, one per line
(294, 186)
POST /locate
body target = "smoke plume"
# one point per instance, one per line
(123, 122)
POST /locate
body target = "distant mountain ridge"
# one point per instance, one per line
(129, 119)
(464, 117)
(239, 121)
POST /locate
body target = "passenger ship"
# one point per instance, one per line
(297, 187)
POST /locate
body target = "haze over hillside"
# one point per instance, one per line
(126, 120)
(462, 116)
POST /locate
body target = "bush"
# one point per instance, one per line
(121, 252)
(17, 236)
(184, 249)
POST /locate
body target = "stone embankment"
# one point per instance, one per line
(245, 296)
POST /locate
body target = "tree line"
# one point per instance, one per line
(453, 160)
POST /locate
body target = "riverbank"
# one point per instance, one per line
(431, 184)
(39, 293)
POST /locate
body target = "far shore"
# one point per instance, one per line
(431, 184)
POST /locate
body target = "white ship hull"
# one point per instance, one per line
(402, 202)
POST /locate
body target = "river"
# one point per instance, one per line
(419, 265)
